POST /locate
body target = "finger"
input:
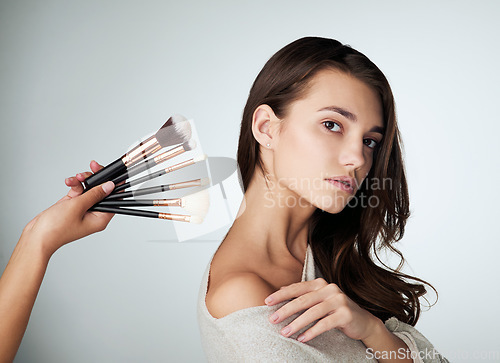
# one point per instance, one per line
(82, 176)
(95, 166)
(310, 315)
(328, 323)
(94, 195)
(97, 221)
(75, 185)
(301, 303)
(294, 290)
(71, 181)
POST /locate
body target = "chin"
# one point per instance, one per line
(332, 209)
(330, 204)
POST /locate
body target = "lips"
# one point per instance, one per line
(344, 183)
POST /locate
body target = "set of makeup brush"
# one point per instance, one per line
(175, 134)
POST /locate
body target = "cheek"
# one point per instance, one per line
(297, 155)
(365, 169)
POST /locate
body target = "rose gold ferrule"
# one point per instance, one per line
(186, 184)
(169, 154)
(174, 217)
(179, 166)
(168, 202)
(148, 147)
(142, 143)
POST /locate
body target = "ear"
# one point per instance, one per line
(263, 125)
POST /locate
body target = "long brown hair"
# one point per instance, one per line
(345, 244)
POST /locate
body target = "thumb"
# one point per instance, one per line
(95, 195)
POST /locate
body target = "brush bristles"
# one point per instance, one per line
(172, 120)
(174, 134)
(200, 158)
(196, 219)
(196, 203)
(176, 118)
(184, 129)
(190, 145)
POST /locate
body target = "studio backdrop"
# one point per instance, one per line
(83, 80)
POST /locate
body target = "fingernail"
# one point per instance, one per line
(274, 317)
(108, 187)
(286, 330)
(301, 338)
(268, 300)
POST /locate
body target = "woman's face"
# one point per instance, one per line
(325, 145)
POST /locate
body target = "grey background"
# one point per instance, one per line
(85, 79)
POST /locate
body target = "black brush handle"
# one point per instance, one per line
(138, 192)
(121, 187)
(139, 168)
(120, 178)
(109, 172)
(129, 212)
(136, 169)
(127, 203)
(138, 181)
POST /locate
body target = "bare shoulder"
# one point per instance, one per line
(238, 290)
(241, 276)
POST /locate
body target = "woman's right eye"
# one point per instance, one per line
(332, 126)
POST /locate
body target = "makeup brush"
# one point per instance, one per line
(175, 131)
(196, 203)
(159, 189)
(160, 173)
(149, 163)
(149, 214)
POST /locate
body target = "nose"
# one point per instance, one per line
(352, 154)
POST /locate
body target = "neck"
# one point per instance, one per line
(275, 219)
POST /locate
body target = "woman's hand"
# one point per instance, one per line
(69, 219)
(65, 221)
(324, 302)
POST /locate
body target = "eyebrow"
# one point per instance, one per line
(350, 116)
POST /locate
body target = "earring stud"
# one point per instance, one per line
(268, 145)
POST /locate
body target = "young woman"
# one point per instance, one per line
(296, 276)
(294, 279)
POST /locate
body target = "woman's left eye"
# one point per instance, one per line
(372, 144)
(332, 126)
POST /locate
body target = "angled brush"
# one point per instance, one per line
(149, 163)
(158, 189)
(160, 173)
(175, 131)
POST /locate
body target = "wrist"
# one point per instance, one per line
(382, 341)
(377, 331)
(35, 246)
